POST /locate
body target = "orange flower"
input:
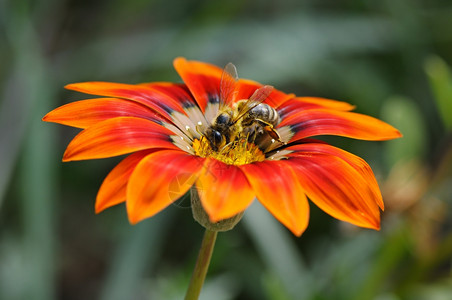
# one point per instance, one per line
(205, 135)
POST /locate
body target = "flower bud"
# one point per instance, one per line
(200, 215)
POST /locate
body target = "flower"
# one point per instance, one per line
(175, 135)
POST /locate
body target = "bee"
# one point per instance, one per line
(248, 118)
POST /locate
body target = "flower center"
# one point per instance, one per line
(238, 152)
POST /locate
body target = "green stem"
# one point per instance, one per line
(202, 264)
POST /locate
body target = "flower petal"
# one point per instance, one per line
(113, 189)
(117, 136)
(337, 188)
(177, 91)
(296, 104)
(157, 100)
(85, 113)
(223, 190)
(354, 161)
(202, 79)
(313, 122)
(278, 189)
(158, 180)
(245, 88)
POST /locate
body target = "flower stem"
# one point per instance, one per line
(202, 264)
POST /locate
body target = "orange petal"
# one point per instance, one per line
(117, 136)
(202, 79)
(245, 88)
(337, 188)
(294, 105)
(354, 161)
(313, 122)
(113, 189)
(158, 180)
(85, 113)
(160, 102)
(278, 189)
(224, 190)
(176, 91)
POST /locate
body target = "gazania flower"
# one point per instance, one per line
(206, 133)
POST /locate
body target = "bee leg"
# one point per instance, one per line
(271, 131)
(252, 136)
(274, 134)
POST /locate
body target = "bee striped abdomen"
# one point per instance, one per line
(265, 113)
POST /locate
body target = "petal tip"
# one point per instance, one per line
(133, 219)
(99, 207)
(98, 210)
(179, 60)
(376, 226)
(45, 118)
(71, 86)
(372, 224)
(298, 231)
(68, 156)
(392, 133)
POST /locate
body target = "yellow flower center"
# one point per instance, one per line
(238, 152)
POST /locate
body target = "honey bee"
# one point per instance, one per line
(248, 118)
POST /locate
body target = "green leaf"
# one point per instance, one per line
(404, 114)
(440, 78)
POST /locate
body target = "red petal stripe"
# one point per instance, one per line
(337, 188)
(245, 88)
(85, 113)
(329, 122)
(224, 190)
(294, 105)
(278, 189)
(161, 102)
(158, 180)
(354, 161)
(113, 189)
(176, 91)
(117, 136)
(202, 79)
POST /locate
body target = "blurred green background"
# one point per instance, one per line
(390, 58)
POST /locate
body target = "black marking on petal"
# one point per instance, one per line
(160, 122)
(282, 111)
(165, 107)
(188, 104)
(214, 98)
(296, 127)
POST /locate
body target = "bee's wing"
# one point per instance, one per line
(261, 94)
(228, 83)
(256, 98)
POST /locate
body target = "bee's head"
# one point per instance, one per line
(216, 139)
(223, 119)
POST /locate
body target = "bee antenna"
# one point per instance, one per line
(197, 130)
(227, 145)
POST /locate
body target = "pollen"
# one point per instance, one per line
(238, 152)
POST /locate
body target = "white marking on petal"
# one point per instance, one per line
(188, 120)
(182, 144)
(285, 133)
(176, 130)
(211, 111)
(280, 154)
